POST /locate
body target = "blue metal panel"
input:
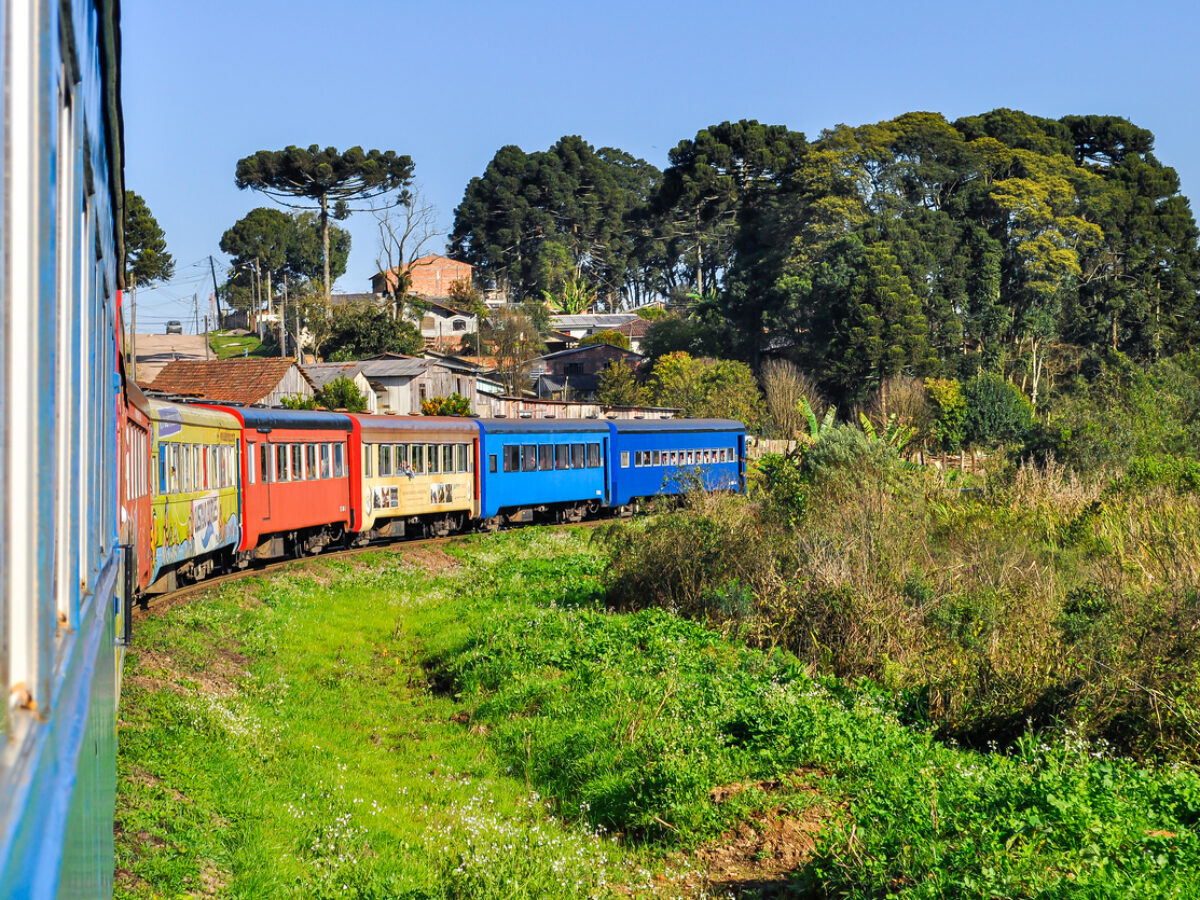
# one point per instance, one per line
(65, 797)
(255, 418)
(631, 481)
(506, 490)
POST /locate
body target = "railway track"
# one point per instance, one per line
(162, 602)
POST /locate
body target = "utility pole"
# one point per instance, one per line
(212, 267)
(196, 313)
(283, 322)
(133, 328)
(206, 356)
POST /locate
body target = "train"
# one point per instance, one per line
(110, 496)
(210, 488)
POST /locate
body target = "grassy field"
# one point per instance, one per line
(472, 722)
(226, 346)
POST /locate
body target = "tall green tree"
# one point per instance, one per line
(327, 177)
(146, 257)
(535, 222)
(711, 177)
(273, 245)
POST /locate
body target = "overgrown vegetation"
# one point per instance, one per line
(489, 729)
(1045, 603)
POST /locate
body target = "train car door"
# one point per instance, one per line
(608, 471)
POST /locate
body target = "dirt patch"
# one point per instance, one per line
(760, 856)
(212, 879)
(220, 677)
(141, 776)
(431, 559)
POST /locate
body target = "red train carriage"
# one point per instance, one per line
(136, 514)
(295, 470)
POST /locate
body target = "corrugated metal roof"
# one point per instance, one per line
(320, 374)
(592, 320)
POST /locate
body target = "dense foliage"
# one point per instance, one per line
(911, 247)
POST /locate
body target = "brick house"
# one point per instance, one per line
(432, 275)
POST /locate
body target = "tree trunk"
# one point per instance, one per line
(325, 241)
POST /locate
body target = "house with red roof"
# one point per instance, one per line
(246, 381)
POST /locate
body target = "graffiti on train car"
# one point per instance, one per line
(190, 525)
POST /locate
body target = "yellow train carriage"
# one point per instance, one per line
(417, 475)
(194, 511)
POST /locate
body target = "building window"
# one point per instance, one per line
(459, 325)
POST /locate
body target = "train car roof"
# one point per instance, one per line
(457, 425)
(541, 426)
(675, 425)
(186, 414)
(293, 419)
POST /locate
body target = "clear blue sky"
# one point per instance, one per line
(449, 84)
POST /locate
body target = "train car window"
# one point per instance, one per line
(162, 470)
(447, 458)
(264, 459)
(562, 456)
(339, 460)
(326, 461)
(310, 461)
(368, 452)
(432, 459)
(416, 454)
(578, 456)
(186, 468)
(281, 463)
(512, 458)
(492, 463)
(593, 456)
(385, 459)
(528, 457)
(463, 457)
(298, 463)
(624, 459)
(546, 457)
(401, 457)
(658, 455)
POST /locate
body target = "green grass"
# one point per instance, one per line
(227, 346)
(371, 730)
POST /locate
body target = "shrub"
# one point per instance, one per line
(997, 412)
(454, 405)
(949, 413)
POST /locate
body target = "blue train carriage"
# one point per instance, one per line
(670, 456)
(542, 470)
(194, 466)
(60, 555)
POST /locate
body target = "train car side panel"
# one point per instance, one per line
(670, 457)
(60, 420)
(540, 465)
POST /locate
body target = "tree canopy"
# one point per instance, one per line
(327, 177)
(146, 257)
